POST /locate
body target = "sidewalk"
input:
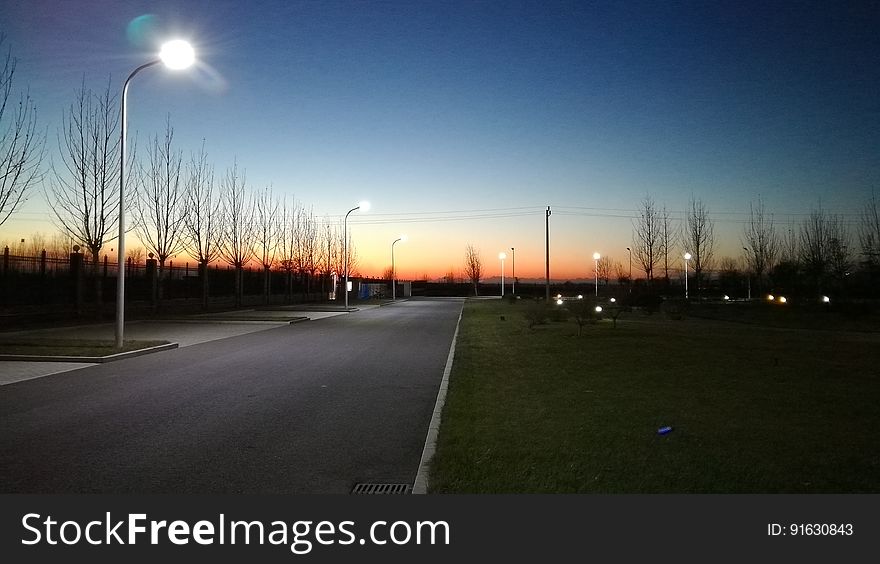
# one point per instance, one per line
(185, 332)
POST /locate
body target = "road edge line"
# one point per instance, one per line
(420, 486)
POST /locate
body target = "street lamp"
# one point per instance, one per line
(748, 273)
(513, 275)
(363, 206)
(596, 257)
(630, 269)
(393, 279)
(502, 256)
(176, 55)
(687, 257)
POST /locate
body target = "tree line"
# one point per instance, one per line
(177, 204)
(817, 254)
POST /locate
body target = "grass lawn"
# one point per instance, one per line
(72, 347)
(753, 409)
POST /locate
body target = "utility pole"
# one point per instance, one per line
(547, 253)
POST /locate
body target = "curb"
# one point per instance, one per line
(420, 486)
(89, 359)
(233, 321)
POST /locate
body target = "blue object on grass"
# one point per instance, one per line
(663, 430)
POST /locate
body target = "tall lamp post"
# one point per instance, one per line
(596, 257)
(393, 277)
(176, 55)
(547, 253)
(687, 257)
(363, 206)
(502, 256)
(748, 274)
(630, 269)
(513, 275)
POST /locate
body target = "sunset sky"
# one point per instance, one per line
(462, 121)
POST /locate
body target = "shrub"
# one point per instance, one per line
(535, 314)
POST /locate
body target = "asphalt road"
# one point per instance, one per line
(308, 408)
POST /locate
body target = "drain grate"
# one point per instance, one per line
(379, 489)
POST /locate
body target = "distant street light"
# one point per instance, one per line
(502, 256)
(363, 206)
(687, 257)
(513, 275)
(547, 252)
(596, 257)
(393, 277)
(630, 269)
(748, 273)
(176, 55)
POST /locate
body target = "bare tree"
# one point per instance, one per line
(605, 268)
(327, 244)
(21, 145)
(869, 232)
(824, 247)
(237, 231)
(202, 219)
(790, 246)
(473, 266)
(266, 231)
(621, 273)
(311, 248)
(760, 241)
(84, 190)
(60, 245)
(161, 211)
(287, 242)
(668, 235)
(134, 254)
(699, 238)
(647, 240)
(34, 245)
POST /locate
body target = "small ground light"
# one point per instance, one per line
(770, 297)
(559, 301)
(598, 309)
(826, 300)
(782, 299)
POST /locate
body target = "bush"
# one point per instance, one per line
(674, 309)
(536, 314)
(558, 313)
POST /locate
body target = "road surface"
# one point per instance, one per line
(308, 408)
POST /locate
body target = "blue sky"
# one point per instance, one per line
(456, 106)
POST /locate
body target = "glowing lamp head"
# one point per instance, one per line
(826, 300)
(771, 297)
(782, 299)
(580, 296)
(726, 297)
(177, 54)
(596, 256)
(364, 206)
(613, 300)
(687, 256)
(403, 238)
(502, 256)
(559, 302)
(598, 309)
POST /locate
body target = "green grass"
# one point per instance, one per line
(72, 347)
(753, 409)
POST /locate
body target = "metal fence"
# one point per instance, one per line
(44, 280)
